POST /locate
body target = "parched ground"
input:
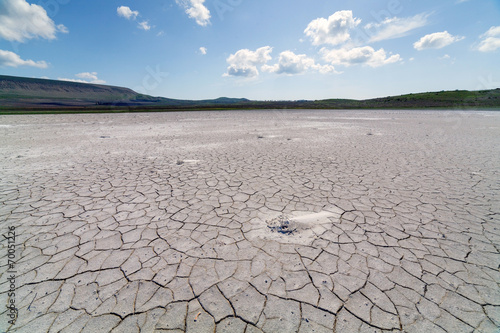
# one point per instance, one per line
(252, 221)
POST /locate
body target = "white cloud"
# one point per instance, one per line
(144, 25)
(244, 62)
(360, 55)
(20, 21)
(11, 59)
(290, 63)
(395, 27)
(132, 15)
(196, 10)
(203, 50)
(62, 29)
(127, 13)
(86, 77)
(243, 71)
(436, 40)
(334, 30)
(490, 40)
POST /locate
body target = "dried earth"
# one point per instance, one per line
(168, 222)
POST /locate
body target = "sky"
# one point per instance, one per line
(256, 49)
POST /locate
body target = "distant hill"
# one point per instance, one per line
(20, 94)
(25, 92)
(20, 88)
(443, 99)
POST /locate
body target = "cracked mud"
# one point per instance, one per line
(163, 222)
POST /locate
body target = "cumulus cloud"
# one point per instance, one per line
(127, 13)
(196, 10)
(62, 29)
(11, 59)
(132, 15)
(244, 62)
(436, 40)
(334, 30)
(20, 21)
(290, 63)
(203, 50)
(86, 77)
(360, 55)
(490, 40)
(395, 27)
(144, 25)
(91, 76)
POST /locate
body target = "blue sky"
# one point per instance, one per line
(264, 50)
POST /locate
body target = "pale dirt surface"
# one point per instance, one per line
(159, 222)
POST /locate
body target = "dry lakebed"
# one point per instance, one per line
(250, 221)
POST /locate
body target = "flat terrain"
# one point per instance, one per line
(252, 221)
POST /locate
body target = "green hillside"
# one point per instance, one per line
(28, 88)
(442, 99)
(18, 95)
(31, 93)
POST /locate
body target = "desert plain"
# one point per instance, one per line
(251, 221)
